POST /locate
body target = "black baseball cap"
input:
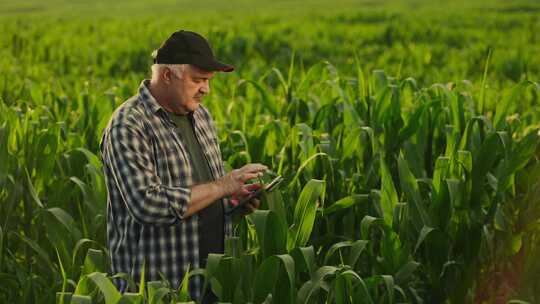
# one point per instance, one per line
(189, 47)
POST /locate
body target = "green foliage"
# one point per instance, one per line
(404, 183)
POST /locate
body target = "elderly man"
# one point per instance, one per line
(167, 188)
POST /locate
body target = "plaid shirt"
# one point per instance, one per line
(148, 175)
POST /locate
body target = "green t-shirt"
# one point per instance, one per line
(211, 222)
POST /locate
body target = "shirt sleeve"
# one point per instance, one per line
(128, 155)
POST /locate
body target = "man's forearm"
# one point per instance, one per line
(203, 195)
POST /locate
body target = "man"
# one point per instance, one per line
(167, 188)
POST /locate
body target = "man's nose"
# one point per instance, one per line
(205, 88)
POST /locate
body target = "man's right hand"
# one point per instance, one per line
(234, 181)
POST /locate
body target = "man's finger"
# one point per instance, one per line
(255, 203)
(251, 168)
(247, 176)
(244, 191)
(250, 208)
(253, 187)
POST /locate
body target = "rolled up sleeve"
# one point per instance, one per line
(127, 154)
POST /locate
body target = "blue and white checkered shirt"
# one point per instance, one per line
(148, 175)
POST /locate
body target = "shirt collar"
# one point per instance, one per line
(148, 100)
(152, 105)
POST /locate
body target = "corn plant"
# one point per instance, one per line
(403, 182)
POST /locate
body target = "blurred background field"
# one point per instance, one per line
(337, 96)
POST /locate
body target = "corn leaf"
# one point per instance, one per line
(304, 214)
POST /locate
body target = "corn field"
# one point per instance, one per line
(407, 133)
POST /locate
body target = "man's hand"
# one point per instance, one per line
(235, 180)
(244, 192)
(203, 195)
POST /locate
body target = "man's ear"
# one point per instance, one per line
(166, 75)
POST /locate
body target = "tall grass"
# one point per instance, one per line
(417, 187)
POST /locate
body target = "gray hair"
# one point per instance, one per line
(177, 69)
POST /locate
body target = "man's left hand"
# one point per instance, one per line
(253, 203)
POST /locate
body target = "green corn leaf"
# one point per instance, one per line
(4, 154)
(413, 124)
(131, 298)
(307, 162)
(389, 197)
(335, 248)
(344, 285)
(310, 287)
(440, 209)
(157, 291)
(233, 246)
(483, 162)
(229, 275)
(423, 235)
(372, 139)
(419, 216)
(265, 279)
(183, 290)
(78, 246)
(62, 271)
(458, 112)
(92, 158)
(351, 143)
(403, 275)
(341, 290)
(80, 299)
(442, 166)
(106, 287)
(517, 302)
(67, 221)
(32, 190)
(361, 292)
(249, 265)
(304, 214)
(271, 232)
(516, 159)
(276, 276)
(456, 193)
(86, 193)
(1, 247)
(505, 106)
(95, 261)
(366, 224)
(304, 259)
(142, 281)
(467, 140)
(389, 284)
(398, 215)
(288, 265)
(211, 270)
(452, 139)
(83, 286)
(63, 297)
(357, 247)
(41, 253)
(267, 101)
(350, 116)
(275, 203)
(346, 203)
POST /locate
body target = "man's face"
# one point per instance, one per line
(187, 92)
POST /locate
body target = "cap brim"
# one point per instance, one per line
(215, 66)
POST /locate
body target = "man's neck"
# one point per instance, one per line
(161, 98)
